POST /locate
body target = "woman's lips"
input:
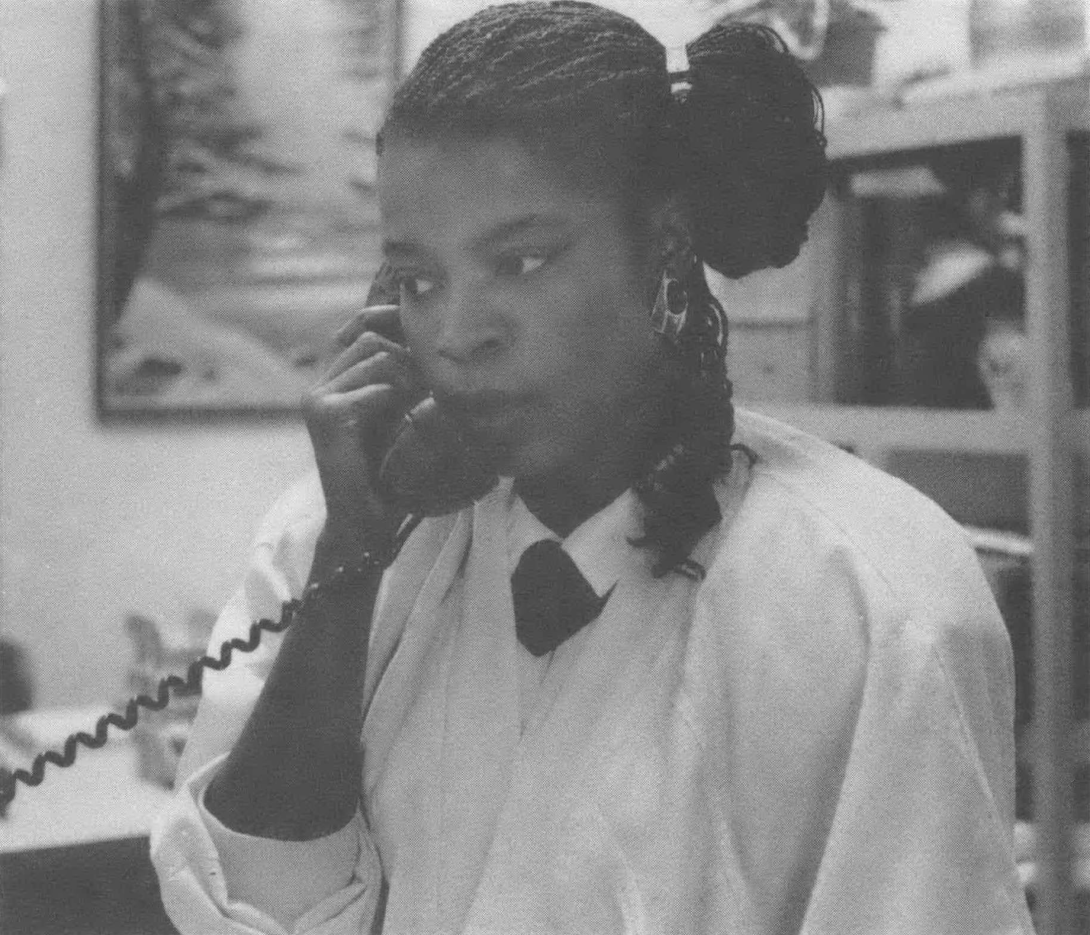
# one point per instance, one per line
(483, 409)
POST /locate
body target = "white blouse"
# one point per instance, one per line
(816, 738)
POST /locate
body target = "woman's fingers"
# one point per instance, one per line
(351, 414)
(365, 345)
(359, 411)
(393, 363)
(382, 367)
(349, 431)
(384, 320)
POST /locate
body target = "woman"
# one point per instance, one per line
(785, 702)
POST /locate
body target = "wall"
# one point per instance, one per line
(95, 521)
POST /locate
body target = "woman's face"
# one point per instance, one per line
(524, 304)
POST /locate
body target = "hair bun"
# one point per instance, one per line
(753, 149)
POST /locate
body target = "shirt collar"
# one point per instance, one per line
(601, 546)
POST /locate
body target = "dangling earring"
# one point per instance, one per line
(671, 308)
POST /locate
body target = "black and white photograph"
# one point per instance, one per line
(544, 467)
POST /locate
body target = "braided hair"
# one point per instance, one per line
(587, 90)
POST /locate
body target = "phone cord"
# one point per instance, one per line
(189, 685)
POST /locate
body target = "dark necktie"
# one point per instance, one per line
(552, 599)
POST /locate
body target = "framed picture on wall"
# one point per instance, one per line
(237, 218)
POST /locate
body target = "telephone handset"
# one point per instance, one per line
(428, 470)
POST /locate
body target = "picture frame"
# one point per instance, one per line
(238, 224)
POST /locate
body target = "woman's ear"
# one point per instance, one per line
(671, 237)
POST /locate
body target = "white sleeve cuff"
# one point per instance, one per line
(285, 878)
(214, 879)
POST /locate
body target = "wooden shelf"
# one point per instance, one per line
(891, 127)
(872, 428)
(1049, 435)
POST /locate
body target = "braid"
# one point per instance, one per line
(752, 109)
(544, 73)
(524, 57)
(678, 493)
(587, 90)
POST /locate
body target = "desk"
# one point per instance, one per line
(100, 797)
(74, 850)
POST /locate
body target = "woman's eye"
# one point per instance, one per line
(519, 264)
(416, 286)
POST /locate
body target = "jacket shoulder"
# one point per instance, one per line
(810, 506)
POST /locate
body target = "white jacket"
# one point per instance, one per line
(816, 738)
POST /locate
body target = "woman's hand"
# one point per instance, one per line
(309, 712)
(351, 415)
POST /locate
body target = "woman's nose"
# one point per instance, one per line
(471, 331)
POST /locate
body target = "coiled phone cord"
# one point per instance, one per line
(191, 684)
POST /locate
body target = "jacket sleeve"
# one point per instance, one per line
(216, 882)
(921, 836)
(865, 684)
(212, 880)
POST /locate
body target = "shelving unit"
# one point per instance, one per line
(1050, 433)
(867, 429)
